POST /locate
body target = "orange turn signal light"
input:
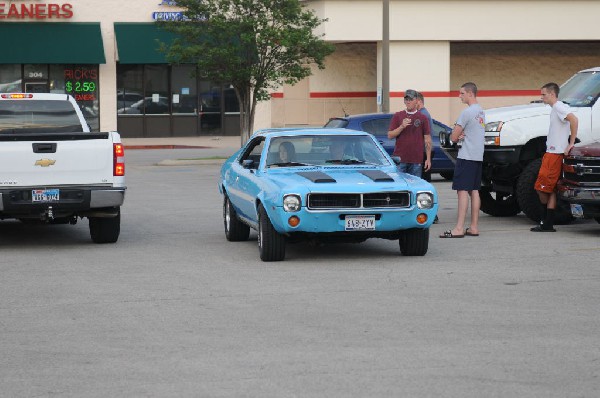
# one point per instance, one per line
(422, 218)
(293, 221)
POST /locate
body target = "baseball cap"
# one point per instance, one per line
(411, 94)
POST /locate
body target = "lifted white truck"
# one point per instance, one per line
(54, 170)
(515, 141)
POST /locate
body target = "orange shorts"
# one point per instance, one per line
(549, 172)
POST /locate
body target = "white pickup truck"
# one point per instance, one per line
(54, 170)
(515, 141)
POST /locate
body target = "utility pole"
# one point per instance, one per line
(385, 58)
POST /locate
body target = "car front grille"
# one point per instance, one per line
(585, 170)
(325, 201)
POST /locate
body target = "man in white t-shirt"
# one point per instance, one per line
(561, 138)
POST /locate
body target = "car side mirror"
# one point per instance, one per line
(396, 159)
(248, 163)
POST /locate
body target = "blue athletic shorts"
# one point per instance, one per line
(467, 175)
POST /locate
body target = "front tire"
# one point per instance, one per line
(105, 229)
(414, 242)
(271, 244)
(529, 201)
(235, 230)
(500, 205)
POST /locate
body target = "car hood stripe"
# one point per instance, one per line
(316, 176)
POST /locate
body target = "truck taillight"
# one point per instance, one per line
(118, 160)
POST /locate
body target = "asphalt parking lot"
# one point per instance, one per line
(175, 310)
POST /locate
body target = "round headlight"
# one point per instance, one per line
(292, 203)
(424, 200)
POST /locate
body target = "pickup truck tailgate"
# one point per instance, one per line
(78, 159)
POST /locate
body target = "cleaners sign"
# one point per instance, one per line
(35, 11)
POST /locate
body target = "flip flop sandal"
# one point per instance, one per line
(469, 233)
(448, 234)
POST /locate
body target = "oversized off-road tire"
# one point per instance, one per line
(235, 230)
(529, 200)
(414, 242)
(105, 229)
(448, 175)
(498, 204)
(271, 244)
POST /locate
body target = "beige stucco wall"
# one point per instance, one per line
(435, 45)
(460, 19)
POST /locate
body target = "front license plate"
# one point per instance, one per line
(360, 223)
(45, 195)
(576, 210)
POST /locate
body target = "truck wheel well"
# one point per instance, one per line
(533, 149)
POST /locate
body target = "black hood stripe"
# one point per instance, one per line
(316, 176)
(377, 175)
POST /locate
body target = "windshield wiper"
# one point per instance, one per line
(346, 161)
(288, 164)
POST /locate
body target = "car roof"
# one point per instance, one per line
(364, 116)
(295, 131)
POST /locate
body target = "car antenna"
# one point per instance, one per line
(343, 109)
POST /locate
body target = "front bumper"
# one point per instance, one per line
(492, 154)
(329, 221)
(588, 198)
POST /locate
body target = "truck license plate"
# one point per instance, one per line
(360, 223)
(576, 210)
(45, 195)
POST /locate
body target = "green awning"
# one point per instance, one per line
(137, 43)
(51, 43)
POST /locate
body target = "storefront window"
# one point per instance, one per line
(210, 107)
(156, 100)
(184, 96)
(10, 78)
(130, 89)
(81, 82)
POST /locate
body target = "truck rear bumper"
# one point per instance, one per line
(72, 200)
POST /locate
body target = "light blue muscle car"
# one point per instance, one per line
(324, 185)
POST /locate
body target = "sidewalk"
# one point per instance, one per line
(176, 142)
(211, 149)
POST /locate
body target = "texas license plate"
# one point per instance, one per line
(360, 223)
(576, 210)
(45, 195)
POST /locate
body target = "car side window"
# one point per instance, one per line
(376, 126)
(253, 152)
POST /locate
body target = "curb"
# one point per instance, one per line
(194, 162)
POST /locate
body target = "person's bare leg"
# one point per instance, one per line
(475, 206)
(463, 206)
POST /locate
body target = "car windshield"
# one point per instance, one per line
(581, 90)
(302, 150)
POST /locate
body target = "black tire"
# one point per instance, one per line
(597, 219)
(498, 204)
(414, 242)
(448, 175)
(235, 230)
(529, 200)
(105, 229)
(271, 244)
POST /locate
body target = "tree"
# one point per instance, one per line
(254, 45)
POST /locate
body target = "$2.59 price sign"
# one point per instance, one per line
(80, 87)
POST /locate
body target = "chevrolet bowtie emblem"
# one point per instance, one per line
(45, 162)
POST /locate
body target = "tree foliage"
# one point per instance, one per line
(254, 45)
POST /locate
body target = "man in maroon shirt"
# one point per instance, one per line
(412, 132)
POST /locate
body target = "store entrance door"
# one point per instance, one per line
(36, 87)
